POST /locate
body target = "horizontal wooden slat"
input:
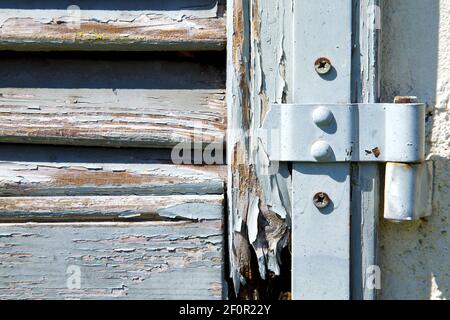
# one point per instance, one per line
(102, 117)
(78, 179)
(182, 25)
(79, 208)
(103, 100)
(154, 260)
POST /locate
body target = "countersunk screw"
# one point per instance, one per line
(321, 200)
(322, 65)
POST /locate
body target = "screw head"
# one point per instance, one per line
(322, 116)
(321, 200)
(323, 65)
(321, 150)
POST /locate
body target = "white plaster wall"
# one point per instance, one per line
(415, 257)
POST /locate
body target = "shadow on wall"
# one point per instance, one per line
(415, 257)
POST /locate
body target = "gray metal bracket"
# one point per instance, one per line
(331, 133)
(345, 133)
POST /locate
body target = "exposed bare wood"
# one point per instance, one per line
(75, 179)
(79, 208)
(153, 260)
(110, 223)
(259, 198)
(238, 99)
(188, 26)
(103, 117)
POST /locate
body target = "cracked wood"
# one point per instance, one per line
(132, 118)
(186, 25)
(82, 179)
(79, 208)
(260, 65)
(151, 260)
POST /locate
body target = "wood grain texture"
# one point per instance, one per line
(83, 179)
(102, 117)
(187, 25)
(134, 225)
(260, 66)
(152, 260)
(108, 208)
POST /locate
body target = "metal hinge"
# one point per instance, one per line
(337, 148)
(329, 133)
(345, 133)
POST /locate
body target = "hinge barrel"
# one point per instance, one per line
(408, 191)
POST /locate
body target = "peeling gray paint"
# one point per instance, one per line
(169, 243)
(185, 25)
(84, 179)
(260, 61)
(101, 208)
(156, 260)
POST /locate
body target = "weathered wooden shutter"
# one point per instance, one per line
(92, 102)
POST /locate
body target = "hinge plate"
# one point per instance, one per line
(381, 132)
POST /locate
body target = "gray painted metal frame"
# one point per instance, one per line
(321, 237)
(366, 181)
(271, 61)
(321, 248)
(334, 131)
